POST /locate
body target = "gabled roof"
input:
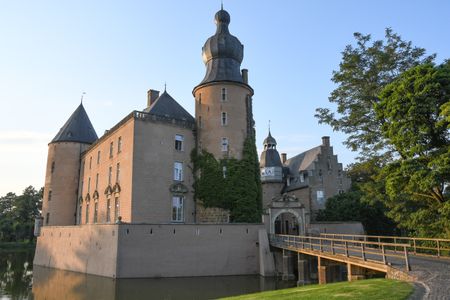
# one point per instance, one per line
(166, 106)
(304, 160)
(78, 128)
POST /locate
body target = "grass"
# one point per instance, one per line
(362, 289)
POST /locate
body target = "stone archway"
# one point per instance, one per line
(287, 221)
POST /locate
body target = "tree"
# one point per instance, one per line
(364, 71)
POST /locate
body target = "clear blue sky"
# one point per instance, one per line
(52, 51)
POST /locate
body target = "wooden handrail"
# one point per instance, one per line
(385, 237)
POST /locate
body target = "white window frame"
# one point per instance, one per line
(178, 171)
(179, 140)
(225, 145)
(177, 209)
(320, 196)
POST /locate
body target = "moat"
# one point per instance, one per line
(20, 280)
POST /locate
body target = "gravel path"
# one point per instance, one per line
(433, 278)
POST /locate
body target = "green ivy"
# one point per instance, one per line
(239, 191)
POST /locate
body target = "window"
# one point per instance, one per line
(119, 145)
(224, 94)
(87, 213)
(177, 209)
(116, 208)
(200, 122)
(320, 197)
(96, 182)
(80, 209)
(178, 171)
(179, 142)
(90, 162)
(89, 185)
(98, 157)
(53, 167)
(108, 210)
(224, 119)
(224, 144)
(109, 175)
(49, 197)
(95, 211)
(118, 172)
(47, 218)
(111, 149)
(302, 177)
(224, 171)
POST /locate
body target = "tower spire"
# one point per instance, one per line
(82, 96)
(221, 5)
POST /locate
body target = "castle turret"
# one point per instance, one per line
(223, 98)
(271, 170)
(63, 169)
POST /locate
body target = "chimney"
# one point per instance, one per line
(152, 95)
(283, 157)
(326, 141)
(245, 75)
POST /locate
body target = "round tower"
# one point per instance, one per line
(224, 98)
(271, 170)
(63, 169)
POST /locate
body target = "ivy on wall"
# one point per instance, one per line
(229, 183)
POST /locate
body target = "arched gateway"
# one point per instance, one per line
(286, 215)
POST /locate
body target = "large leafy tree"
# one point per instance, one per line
(364, 71)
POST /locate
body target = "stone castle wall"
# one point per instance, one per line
(151, 250)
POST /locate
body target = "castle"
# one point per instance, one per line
(123, 205)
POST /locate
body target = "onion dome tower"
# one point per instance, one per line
(63, 169)
(223, 98)
(271, 170)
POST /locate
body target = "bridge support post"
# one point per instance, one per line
(355, 272)
(322, 271)
(303, 270)
(287, 266)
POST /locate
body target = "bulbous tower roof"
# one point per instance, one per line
(222, 53)
(270, 156)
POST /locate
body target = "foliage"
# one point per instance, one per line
(230, 183)
(361, 289)
(17, 214)
(364, 71)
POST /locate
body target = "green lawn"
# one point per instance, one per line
(362, 289)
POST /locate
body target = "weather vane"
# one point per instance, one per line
(82, 96)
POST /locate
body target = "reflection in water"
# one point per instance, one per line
(58, 284)
(16, 278)
(15, 273)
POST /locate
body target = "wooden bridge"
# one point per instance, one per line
(398, 257)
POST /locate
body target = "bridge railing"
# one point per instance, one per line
(419, 246)
(365, 250)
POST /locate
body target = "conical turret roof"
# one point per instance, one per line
(78, 128)
(166, 106)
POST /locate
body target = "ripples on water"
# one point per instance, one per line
(18, 281)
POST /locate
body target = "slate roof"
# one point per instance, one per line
(166, 106)
(303, 161)
(78, 128)
(270, 158)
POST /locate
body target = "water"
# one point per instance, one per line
(19, 281)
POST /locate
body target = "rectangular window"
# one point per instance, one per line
(80, 209)
(179, 142)
(118, 172)
(119, 145)
(89, 185)
(108, 210)
(53, 167)
(109, 175)
(96, 182)
(98, 157)
(224, 144)
(87, 213)
(224, 119)
(177, 209)
(49, 198)
(224, 94)
(47, 218)
(224, 171)
(116, 209)
(320, 197)
(178, 171)
(90, 162)
(95, 211)
(111, 149)
(302, 177)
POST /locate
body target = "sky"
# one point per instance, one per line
(114, 51)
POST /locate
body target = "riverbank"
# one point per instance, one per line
(362, 289)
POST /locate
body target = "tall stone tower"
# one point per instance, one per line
(271, 170)
(63, 169)
(224, 98)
